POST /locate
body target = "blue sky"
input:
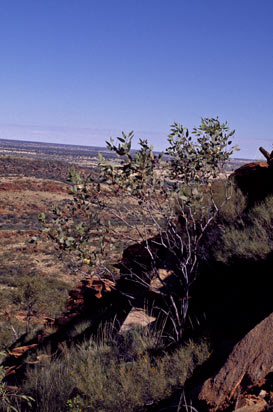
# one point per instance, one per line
(80, 71)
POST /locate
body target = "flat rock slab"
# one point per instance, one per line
(136, 317)
(256, 407)
(249, 362)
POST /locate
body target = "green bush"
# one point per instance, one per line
(143, 194)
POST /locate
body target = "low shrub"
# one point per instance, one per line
(31, 295)
(12, 400)
(112, 375)
(250, 236)
(50, 384)
(231, 208)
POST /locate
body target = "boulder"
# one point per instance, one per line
(136, 317)
(255, 179)
(19, 351)
(250, 361)
(85, 294)
(136, 258)
(259, 405)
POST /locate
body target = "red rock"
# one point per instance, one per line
(85, 297)
(259, 406)
(12, 370)
(255, 180)
(75, 293)
(12, 388)
(98, 284)
(248, 363)
(17, 352)
(64, 320)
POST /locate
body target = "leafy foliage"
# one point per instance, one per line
(198, 160)
(147, 196)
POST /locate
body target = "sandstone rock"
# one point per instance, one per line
(255, 180)
(13, 370)
(12, 388)
(64, 320)
(94, 301)
(247, 400)
(17, 352)
(137, 258)
(249, 362)
(93, 286)
(136, 317)
(258, 406)
(158, 281)
(96, 283)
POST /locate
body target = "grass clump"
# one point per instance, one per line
(122, 374)
(229, 199)
(24, 300)
(50, 384)
(250, 236)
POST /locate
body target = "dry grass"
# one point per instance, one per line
(112, 375)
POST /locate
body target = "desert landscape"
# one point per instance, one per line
(136, 206)
(50, 301)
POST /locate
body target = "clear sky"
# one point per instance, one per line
(80, 71)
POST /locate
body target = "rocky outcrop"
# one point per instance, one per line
(250, 361)
(253, 404)
(136, 258)
(93, 302)
(255, 179)
(83, 298)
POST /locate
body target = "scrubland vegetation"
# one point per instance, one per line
(204, 227)
(135, 371)
(112, 375)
